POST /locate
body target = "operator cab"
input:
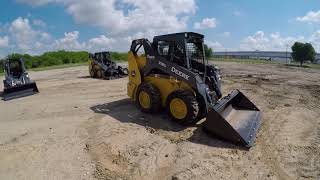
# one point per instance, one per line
(103, 57)
(185, 49)
(15, 68)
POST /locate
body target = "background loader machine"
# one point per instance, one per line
(174, 74)
(17, 82)
(101, 66)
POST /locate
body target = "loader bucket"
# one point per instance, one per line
(234, 118)
(20, 91)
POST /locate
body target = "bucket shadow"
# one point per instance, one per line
(126, 111)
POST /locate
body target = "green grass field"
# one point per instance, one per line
(259, 61)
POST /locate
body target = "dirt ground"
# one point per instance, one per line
(83, 128)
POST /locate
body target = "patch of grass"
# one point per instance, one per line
(294, 64)
(259, 61)
(315, 66)
(245, 61)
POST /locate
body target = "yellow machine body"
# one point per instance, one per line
(165, 84)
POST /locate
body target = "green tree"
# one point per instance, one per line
(208, 51)
(311, 52)
(1, 65)
(302, 52)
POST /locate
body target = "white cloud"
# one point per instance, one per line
(128, 17)
(45, 36)
(38, 22)
(143, 16)
(256, 42)
(4, 42)
(226, 34)
(315, 40)
(237, 13)
(311, 17)
(124, 20)
(22, 33)
(103, 43)
(206, 23)
(25, 39)
(273, 42)
(215, 45)
(69, 42)
(35, 2)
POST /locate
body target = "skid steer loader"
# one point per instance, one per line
(101, 66)
(17, 82)
(173, 73)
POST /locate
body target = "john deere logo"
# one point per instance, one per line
(179, 73)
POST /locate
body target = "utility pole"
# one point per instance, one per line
(287, 53)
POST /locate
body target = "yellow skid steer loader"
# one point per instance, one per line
(174, 74)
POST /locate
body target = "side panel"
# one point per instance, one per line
(134, 75)
(166, 85)
(180, 73)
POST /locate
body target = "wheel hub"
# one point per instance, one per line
(178, 108)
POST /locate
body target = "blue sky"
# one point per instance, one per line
(36, 26)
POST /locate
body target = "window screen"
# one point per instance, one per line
(163, 48)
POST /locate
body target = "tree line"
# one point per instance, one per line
(58, 58)
(301, 52)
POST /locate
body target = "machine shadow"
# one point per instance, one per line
(85, 77)
(125, 111)
(89, 77)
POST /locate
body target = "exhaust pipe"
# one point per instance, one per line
(234, 118)
(20, 91)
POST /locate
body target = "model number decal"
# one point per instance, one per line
(162, 64)
(150, 57)
(179, 73)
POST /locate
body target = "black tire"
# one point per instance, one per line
(191, 103)
(92, 73)
(202, 107)
(110, 75)
(100, 74)
(5, 84)
(154, 95)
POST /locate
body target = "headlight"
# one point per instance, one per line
(219, 76)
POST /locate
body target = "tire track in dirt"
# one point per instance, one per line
(272, 152)
(296, 160)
